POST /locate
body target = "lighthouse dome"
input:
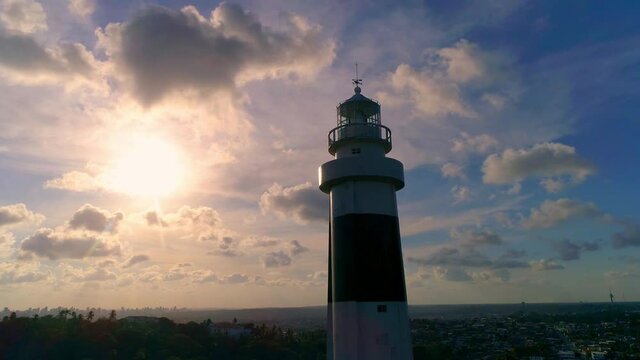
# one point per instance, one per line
(358, 107)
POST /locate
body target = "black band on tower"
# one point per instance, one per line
(329, 295)
(367, 259)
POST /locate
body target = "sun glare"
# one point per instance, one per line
(150, 168)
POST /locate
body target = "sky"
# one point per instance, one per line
(165, 153)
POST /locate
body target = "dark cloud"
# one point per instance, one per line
(17, 214)
(295, 248)
(630, 236)
(555, 212)
(473, 238)
(303, 202)
(95, 219)
(451, 257)
(162, 50)
(224, 245)
(136, 259)
(22, 56)
(153, 219)
(56, 244)
(568, 250)
(276, 259)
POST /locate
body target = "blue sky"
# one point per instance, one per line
(166, 153)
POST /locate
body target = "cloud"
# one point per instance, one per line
(14, 273)
(295, 248)
(82, 8)
(201, 218)
(26, 61)
(276, 259)
(479, 237)
(161, 51)
(74, 181)
(6, 244)
(59, 243)
(150, 276)
(234, 279)
(136, 259)
(176, 273)
(434, 89)
(568, 250)
(95, 219)
(630, 236)
(461, 61)
(467, 217)
(106, 263)
(204, 276)
(556, 212)
(283, 257)
(90, 233)
(480, 144)
(261, 241)
(224, 245)
(460, 194)
(553, 185)
(304, 202)
(226, 253)
(430, 95)
(17, 214)
(545, 264)
(451, 170)
(451, 274)
(543, 160)
(620, 275)
(452, 257)
(495, 100)
(153, 218)
(26, 16)
(497, 275)
(96, 274)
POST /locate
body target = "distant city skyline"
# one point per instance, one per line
(165, 153)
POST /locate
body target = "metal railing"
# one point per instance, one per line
(359, 132)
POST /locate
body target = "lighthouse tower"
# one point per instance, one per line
(367, 316)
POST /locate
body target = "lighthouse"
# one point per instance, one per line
(367, 315)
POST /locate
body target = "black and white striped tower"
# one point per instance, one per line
(367, 299)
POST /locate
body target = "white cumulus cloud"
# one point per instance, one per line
(547, 160)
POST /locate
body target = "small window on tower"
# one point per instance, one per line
(355, 150)
(382, 308)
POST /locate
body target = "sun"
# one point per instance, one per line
(148, 167)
